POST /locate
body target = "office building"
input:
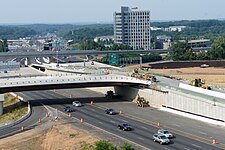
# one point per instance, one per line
(132, 27)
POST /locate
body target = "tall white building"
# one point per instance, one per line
(132, 27)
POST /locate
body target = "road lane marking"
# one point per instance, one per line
(96, 116)
(196, 145)
(92, 109)
(166, 148)
(186, 148)
(144, 128)
(141, 138)
(124, 120)
(100, 122)
(203, 133)
(112, 121)
(176, 125)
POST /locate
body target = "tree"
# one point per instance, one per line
(104, 145)
(218, 49)
(127, 146)
(3, 45)
(181, 51)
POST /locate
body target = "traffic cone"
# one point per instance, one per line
(81, 120)
(214, 141)
(22, 128)
(91, 102)
(158, 124)
(120, 111)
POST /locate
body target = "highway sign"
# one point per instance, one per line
(113, 59)
(57, 43)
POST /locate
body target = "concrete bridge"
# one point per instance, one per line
(64, 82)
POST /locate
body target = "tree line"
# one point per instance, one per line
(182, 51)
(3, 45)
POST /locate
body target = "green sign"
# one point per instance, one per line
(57, 43)
(113, 59)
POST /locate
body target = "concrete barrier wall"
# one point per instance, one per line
(196, 105)
(174, 99)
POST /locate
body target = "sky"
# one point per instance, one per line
(101, 11)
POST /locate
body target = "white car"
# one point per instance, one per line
(165, 132)
(77, 104)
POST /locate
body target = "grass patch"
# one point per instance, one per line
(13, 109)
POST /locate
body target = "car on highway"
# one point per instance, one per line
(77, 103)
(68, 109)
(124, 127)
(165, 132)
(110, 111)
(160, 138)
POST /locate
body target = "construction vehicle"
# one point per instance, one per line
(145, 76)
(111, 95)
(200, 83)
(142, 102)
(136, 74)
(148, 76)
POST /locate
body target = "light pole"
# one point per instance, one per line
(57, 58)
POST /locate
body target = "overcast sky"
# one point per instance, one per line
(90, 11)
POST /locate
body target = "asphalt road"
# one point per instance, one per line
(37, 111)
(141, 134)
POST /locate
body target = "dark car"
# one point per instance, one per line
(110, 111)
(124, 127)
(68, 109)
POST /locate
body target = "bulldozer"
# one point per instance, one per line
(136, 74)
(142, 102)
(145, 76)
(148, 76)
(200, 83)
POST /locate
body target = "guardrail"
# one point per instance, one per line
(42, 80)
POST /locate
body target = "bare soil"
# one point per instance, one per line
(58, 137)
(212, 76)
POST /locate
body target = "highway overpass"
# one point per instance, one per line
(65, 82)
(85, 52)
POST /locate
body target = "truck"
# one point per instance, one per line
(111, 95)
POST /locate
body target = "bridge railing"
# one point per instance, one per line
(68, 79)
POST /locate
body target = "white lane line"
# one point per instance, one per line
(144, 128)
(112, 121)
(196, 145)
(100, 122)
(92, 109)
(141, 138)
(203, 133)
(186, 148)
(176, 125)
(166, 148)
(82, 110)
(96, 116)
(124, 120)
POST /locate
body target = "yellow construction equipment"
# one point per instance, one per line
(145, 76)
(148, 76)
(200, 83)
(142, 102)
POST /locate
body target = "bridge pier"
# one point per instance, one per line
(126, 92)
(1, 103)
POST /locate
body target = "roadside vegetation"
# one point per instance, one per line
(13, 109)
(105, 145)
